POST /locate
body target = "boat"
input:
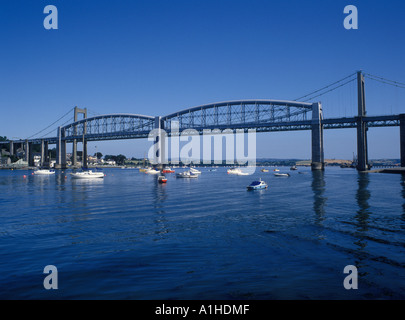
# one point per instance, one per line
(255, 185)
(143, 169)
(282, 174)
(162, 179)
(44, 172)
(168, 170)
(195, 171)
(87, 175)
(237, 171)
(152, 171)
(276, 170)
(293, 168)
(264, 170)
(186, 174)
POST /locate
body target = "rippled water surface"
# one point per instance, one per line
(128, 237)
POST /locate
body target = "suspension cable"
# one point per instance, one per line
(51, 124)
(386, 81)
(326, 87)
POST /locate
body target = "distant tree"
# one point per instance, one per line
(109, 157)
(99, 155)
(120, 159)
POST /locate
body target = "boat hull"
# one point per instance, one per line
(87, 176)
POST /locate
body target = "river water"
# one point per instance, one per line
(128, 237)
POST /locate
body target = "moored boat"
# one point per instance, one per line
(195, 171)
(282, 174)
(162, 179)
(186, 174)
(237, 171)
(255, 185)
(44, 172)
(87, 175)
(152, 171)
(168, 170)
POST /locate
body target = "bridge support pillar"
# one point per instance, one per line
(31, 154)
(362, 152)
(74, 149)
(402, 138)
(11, 148)
(60, 151)
(27, 151)
(318, 161)
(44, 154)
(159, 151)
(84, 154)
(74, 153)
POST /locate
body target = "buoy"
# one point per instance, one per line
(24, 176)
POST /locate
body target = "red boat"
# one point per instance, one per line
(168, 170)
(162, 179)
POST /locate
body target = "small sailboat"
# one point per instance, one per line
(276, 170)
(264, 170)
(255, 185)
(293, 168)
(168, 170)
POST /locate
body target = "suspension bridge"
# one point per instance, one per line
(259, 115)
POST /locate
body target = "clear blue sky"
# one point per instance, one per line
(157, 57)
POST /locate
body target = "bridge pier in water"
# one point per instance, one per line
(362, 152)
(402, 137)
(60, 151)
(318, 161)
(160, 145)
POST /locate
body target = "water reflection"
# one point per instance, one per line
(362, 220)
(318, 188)
(403, 205)
(160, 196)
(362, 197)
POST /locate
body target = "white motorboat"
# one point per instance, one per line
(152, 171)
(255, 185)
(87, 175)
(44, 172)
(237, 171)
(282, 174)
(195, 171)
(186, 174)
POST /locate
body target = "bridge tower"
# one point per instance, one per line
(318, 161)
(74, 150)
(60, 150)
(362, 153)
(159, 151)
(402, 137)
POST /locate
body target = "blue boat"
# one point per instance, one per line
(255, 185)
